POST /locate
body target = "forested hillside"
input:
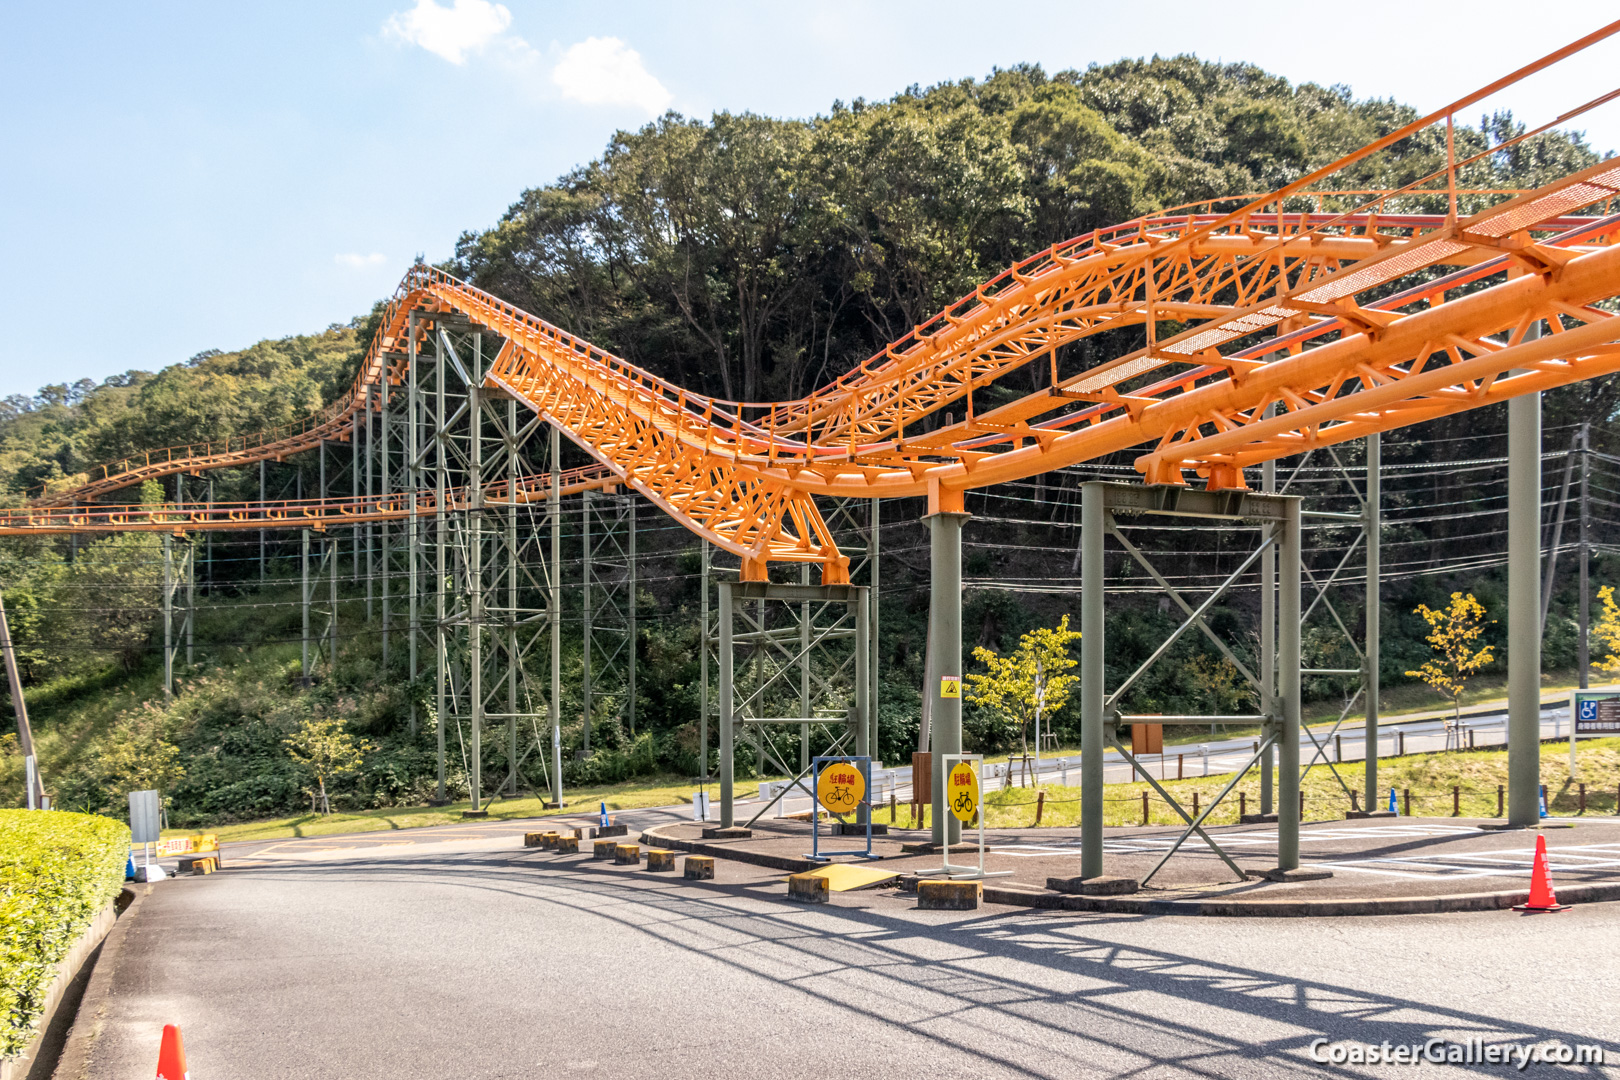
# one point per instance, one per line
(745, 256)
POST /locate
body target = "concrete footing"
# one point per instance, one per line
(626, 854)
(603, 849)
(1094, 886)
(699, 867)
(568, 845)
(729, 832)
(612, 830)
(1303, 873)
(934, 895)
(810, 888)
(660, 859)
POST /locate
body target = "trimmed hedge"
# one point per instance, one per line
(57, 870)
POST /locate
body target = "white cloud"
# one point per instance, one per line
(360, 262)
(605, 71)
(450, 32)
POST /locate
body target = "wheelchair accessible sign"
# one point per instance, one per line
(1596, 712)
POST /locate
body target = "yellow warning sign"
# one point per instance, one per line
(962, 791)
(841, 787)
(950, 686)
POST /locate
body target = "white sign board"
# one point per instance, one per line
(144, 823)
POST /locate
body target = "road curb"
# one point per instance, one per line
(74, 1061)
(655, 838)
(1046, 899)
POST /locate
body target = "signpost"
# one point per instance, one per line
(145, 826)
(1594, 713)
(841, 787)
(965, 796)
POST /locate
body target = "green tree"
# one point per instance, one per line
(1454, 633)
(325, 750)
(1031, 682)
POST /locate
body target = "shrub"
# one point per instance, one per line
(56, 871)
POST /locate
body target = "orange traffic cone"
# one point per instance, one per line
(172, 1056)
(1541, 890)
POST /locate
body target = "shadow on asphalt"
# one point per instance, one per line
(891, 958)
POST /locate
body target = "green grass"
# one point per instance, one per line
(1429, 777)
(633, 795)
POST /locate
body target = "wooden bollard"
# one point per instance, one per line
(568, 845)
(603, 849)
(626, 854)
(810, 888)
(949, 895)
(1144, 808)
(1456, 801)
(659, 859)
(699, 867)
(1040, 805)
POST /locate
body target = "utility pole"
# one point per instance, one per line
(1584, 659)
(25, 733)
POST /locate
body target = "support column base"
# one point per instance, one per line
(1302, 873)
(1258, 819)
(1093, 886)
(465, 814)
(1356, 815)
(727, 832)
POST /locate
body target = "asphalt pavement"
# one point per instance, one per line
(456, 952)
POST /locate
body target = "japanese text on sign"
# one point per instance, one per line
(962, 791)
(840, 788)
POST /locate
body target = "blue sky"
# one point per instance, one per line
(181, 176)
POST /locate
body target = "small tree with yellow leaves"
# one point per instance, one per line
(1607, 631)
(325, 750)
(1030, 683)
(1454, 633)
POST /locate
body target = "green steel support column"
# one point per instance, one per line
(864, 742)
(370, 453)
(727, 814)
(441, 541)
(332, 549)
(1288, 635)
(874, 614)
(585, 618)
(413, 526)
(511, 598)
(475, 574)
(804, 672)
(554, 601)
(191, 600)
(630, 615)
(1093, 513)
(945, 619)
(303, 598)
(703, 666)
(1524, 602)
(168, 616)
(1268, 645)
(383, 526)
(1375, 498)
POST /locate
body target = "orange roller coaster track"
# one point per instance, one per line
(1265, 331)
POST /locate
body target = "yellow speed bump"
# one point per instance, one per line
(843, 877)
